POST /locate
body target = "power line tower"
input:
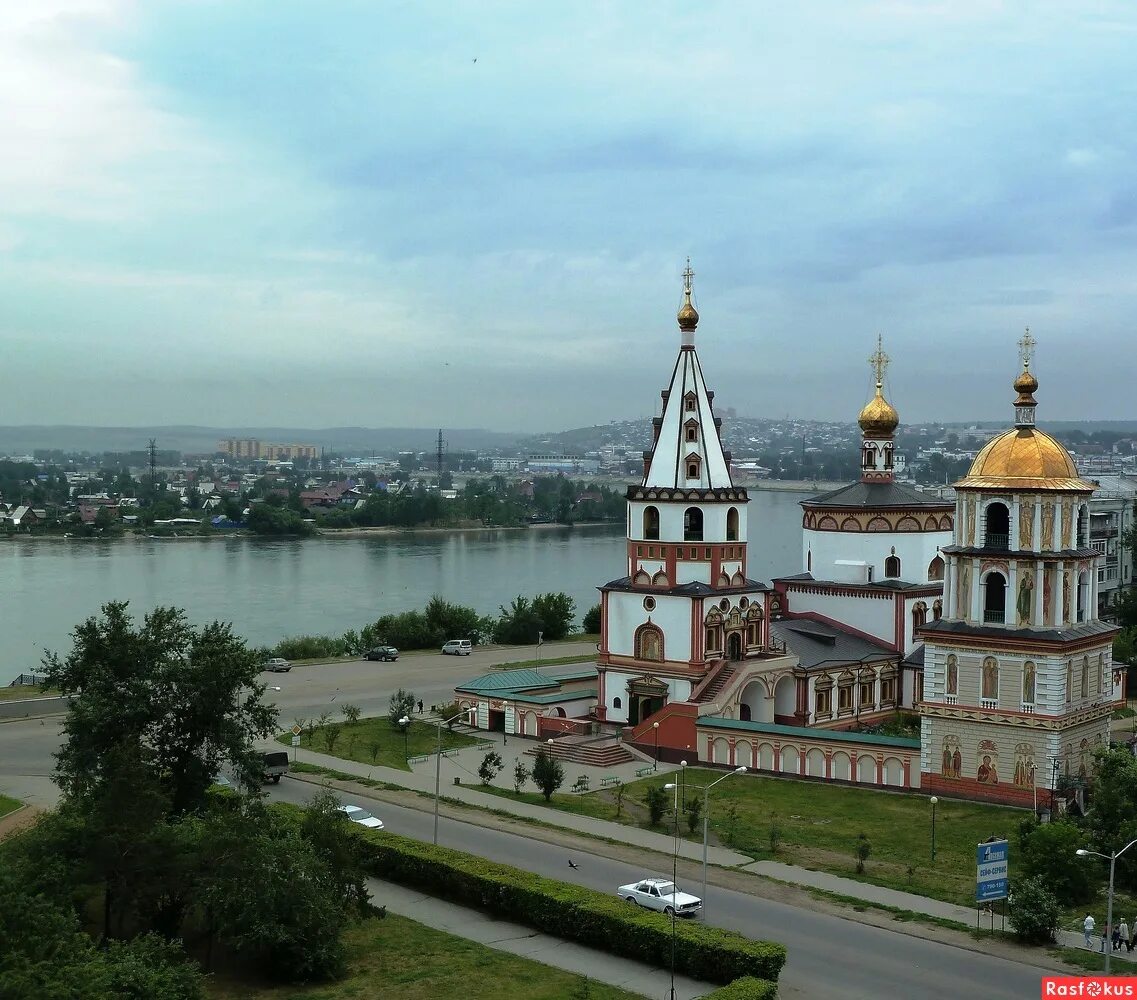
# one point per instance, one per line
(439, 454)
(152, 452)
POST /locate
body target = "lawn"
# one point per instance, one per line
(378, 742)
(8, 805)
(398, 957)
(817, 826)
(25, 691)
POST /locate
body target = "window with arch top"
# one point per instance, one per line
(892, 568)
(936, 569)
(616, 703)
(651, 523)
(732, 525)
(649, 643)
(997, 526)
(692, 525)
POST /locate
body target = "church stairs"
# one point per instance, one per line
(718, 677)
(593, 752)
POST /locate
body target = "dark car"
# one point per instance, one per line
(382, 653)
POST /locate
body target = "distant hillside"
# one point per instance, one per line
(203, 440)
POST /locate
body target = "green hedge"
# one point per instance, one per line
(746, 988)
(586, 916)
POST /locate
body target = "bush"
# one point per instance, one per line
(548, 774)
(655, 798)
(590, 624)
(310, 647)
(593, 919)
(1034, 911)
(490, 767)
(861, 851)
(746, 988)
(1048, 857)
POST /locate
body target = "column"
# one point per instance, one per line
(1059, 603)
(1011, 601)
(976, 592)
(949, 597)
(1092, 603)
(1036, 535)
(1036, 609)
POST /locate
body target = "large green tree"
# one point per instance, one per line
(1112, 817)
(186, 699)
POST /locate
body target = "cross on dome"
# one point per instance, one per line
(688, 316)
(879, 361)
(1027, 344)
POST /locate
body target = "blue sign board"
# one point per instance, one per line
(991, 862)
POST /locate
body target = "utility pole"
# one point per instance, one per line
(441, 450)
(152, 451)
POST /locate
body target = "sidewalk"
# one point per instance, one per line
(474, 925)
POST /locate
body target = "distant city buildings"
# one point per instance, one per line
(253, 449)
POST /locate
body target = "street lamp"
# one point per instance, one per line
(539, 637)
(504, 723)
(933, 800)
(673, 787)
(405, 722)
(655, 729)
(1112, 859)
(741, 769)
(438, 767)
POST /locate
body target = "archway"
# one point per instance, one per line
(757, 706)
(744, 712)
(732, 525)
(651, 523)
(785, 700)
(692, 525)
(997, 530)
(734, 645)
(994, 599)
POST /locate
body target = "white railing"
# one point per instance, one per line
(951, 699)
(988, 702)
(1028, 707)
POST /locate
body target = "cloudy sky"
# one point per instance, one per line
(470, 214)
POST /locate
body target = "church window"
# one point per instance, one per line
(1069, 681)
(651, 551)
(692, 430)
(936, 569)
(706, 553)
(919, 614)
(887, 690)
(616, 703)
(732, 525)
(997, 531)
(951, 685)
(888, 458)
(651, 522)
(892, 567)
(649, 643)
(1085, 676)
(845, 698)
(692, 526)
(640, 551)
(937, 609)
(809, 561)
(649, 604)
(868, 458)
(994, 599)
(689, 403)
(693, 553)
(692, 470)
(752, 635)
(990, 689)
(866, 694)
(823, 701)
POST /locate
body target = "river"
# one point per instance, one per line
(273, 588)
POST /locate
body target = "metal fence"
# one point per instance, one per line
(28, 680)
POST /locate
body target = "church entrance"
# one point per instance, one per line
(744, 712)
(646, 696)
(734, 645)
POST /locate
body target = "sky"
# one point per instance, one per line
(477, 214)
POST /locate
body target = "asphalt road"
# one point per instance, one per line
(829, 958)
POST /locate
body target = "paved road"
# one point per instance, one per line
(828, 957)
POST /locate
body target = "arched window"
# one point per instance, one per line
(1083, 528)
(952, 684)
(649, 643)
(693, 462)
(732, 525)
(990, 691)
(1028, 683)
(692, 525)
(1085, 676)
(1069, 681)
(997, 534)
(616, 703)
(809, 561)
(937, 609)
(892, 568)
(936, 569)
(995, 599)
(919, 614)
(651, 523)
(1083, 596)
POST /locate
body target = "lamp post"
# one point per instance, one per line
(673, 787)
(438, 768)
(655, 729)
(741, 769)
(405, 722)
(539, 637)
(1112, 859)
(933, 800)
(504, 723)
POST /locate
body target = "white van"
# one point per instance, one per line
(458, 647)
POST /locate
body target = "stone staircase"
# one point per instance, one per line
(718, 682)
(593, 752)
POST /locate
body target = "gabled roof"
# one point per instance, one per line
(893, 496)
(498, 681)
(875, 586)
(819, 644)
(667, 466)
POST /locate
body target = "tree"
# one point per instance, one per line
(656, 800)
(268, 519)
(520, 776)
(548, 773)
(331, 735)
(190, 698)
(1048, 856)
(490, 767)
(401, 705)
(861, 851)
(551, 615)
(590, 624)
(694, 813)
(1034, 911)
(1112, 819)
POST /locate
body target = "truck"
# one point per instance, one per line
(275, 764)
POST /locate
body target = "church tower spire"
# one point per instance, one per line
(878, 421)
(1026, 384)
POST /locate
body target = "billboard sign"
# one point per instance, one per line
(991, 863)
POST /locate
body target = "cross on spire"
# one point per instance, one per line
(1027, 344)
(688, 274)
(879, 361)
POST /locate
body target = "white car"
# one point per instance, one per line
(362, 817)
(458, 647)
(661, 894)
(278, 665)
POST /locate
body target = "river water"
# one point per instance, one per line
(273, 588)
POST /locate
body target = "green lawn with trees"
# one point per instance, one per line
(8, 805)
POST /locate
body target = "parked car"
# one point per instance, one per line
(382, 653)
(275, 763)
(362, 817)
(278, 665)
(458, 647)
(661, 894)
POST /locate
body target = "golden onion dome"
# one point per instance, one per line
(879, 417)
(1026, 383)
(688, 316)
(1024, 458)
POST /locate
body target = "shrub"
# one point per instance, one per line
(401, 705)
(591, 621)
(1034, 911)
(520, 776)
(694, 813)
(586, 916)
(490, 766)
(548, 774)
(655, 798)
(861, 851)
(1048, 856)
(309, 647)
(746, 988)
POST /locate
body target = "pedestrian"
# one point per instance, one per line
(1133, 934)
(1123, 934)
(420, 706)
(1088, 929)
(1115, 939)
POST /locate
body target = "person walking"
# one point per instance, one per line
(1115, 938)
(1088, 929)
(1133, 934)
(1123, 935)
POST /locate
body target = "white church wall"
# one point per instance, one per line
(869, 614)
(626, 613)
(915, 549)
